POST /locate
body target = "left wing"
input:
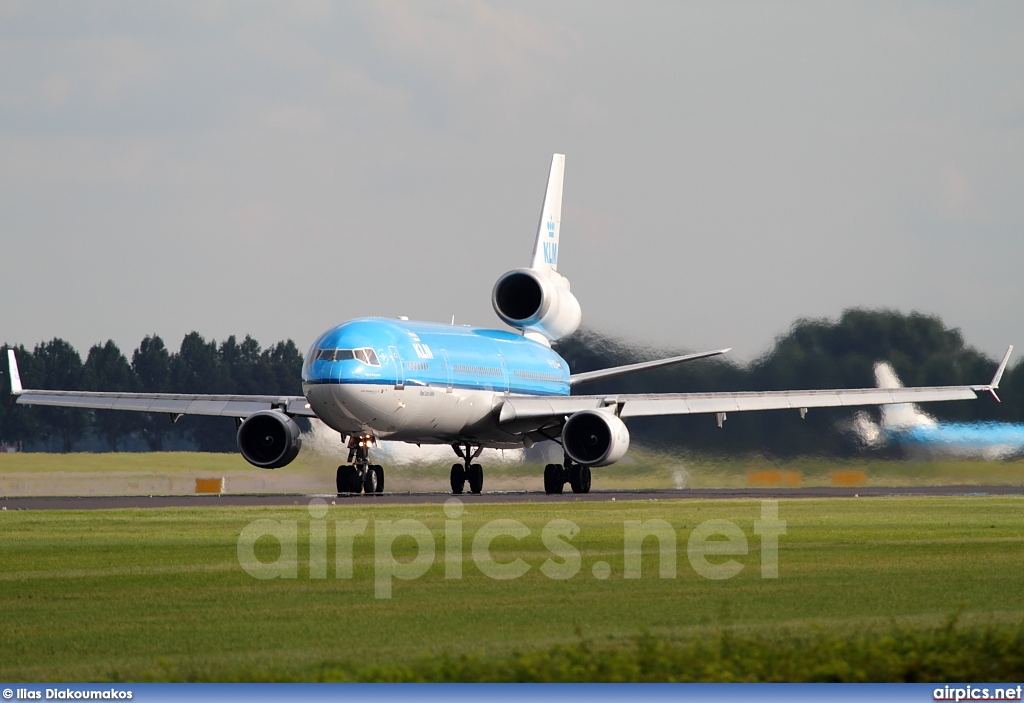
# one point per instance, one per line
(174, 404)
(521, 411)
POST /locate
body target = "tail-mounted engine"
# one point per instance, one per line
(536, 302)
(595, 438)
(269, 439)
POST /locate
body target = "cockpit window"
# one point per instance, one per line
(367, 356)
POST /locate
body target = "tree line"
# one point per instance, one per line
(814, 353)
(199, 366)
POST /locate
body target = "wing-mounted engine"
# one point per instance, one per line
(269, 439)
(595, 438)
(536, 302)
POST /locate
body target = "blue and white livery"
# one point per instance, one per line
(374, 379)
(921, 435)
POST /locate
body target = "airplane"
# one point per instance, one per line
(919, 434)
(372, 379)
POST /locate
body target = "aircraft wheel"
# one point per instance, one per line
(378, 470)
(553, 479)
(369, 481)
(575, 478)
(584, 480)
(347, 479)
(476, 478)
(458, 479)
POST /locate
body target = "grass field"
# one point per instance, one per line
(160, 594)
(175, 472)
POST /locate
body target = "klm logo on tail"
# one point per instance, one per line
(551, 253)
(551, 248)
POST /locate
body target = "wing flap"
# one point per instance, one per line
(171, 403)
(689, 404)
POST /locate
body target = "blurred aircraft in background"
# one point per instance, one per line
(921, 435)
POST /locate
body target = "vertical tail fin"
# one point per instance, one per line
(900, 416)
(545, 249)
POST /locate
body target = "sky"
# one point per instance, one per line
(275, 168)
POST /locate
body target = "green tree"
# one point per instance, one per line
(197, 368)
(240, 362)
(151, 364)
(281, 369)
(60, 368)
(107, 369)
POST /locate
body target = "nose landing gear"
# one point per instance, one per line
(360, 476)
(473, 473)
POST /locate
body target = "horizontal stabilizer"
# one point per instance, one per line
(600, 375)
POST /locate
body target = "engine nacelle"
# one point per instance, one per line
(534, 302)
(269, 439)
(595, 438)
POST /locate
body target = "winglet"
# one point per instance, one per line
(1002, 367)
(994, 384)
(12, 365)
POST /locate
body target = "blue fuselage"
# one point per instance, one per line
(422, 381)
(994, 439)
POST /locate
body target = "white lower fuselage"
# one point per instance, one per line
(419, 415)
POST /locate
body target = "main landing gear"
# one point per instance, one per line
(473, 473)
(360, 476)
(557, 475)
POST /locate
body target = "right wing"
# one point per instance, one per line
(174, 404)
(520, 413)
(516, 408)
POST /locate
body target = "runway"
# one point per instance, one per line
(277, 499)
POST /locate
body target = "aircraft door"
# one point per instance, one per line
(447, 372)
(399, 368)
(504, 373)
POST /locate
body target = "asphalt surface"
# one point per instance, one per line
(271, 499)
